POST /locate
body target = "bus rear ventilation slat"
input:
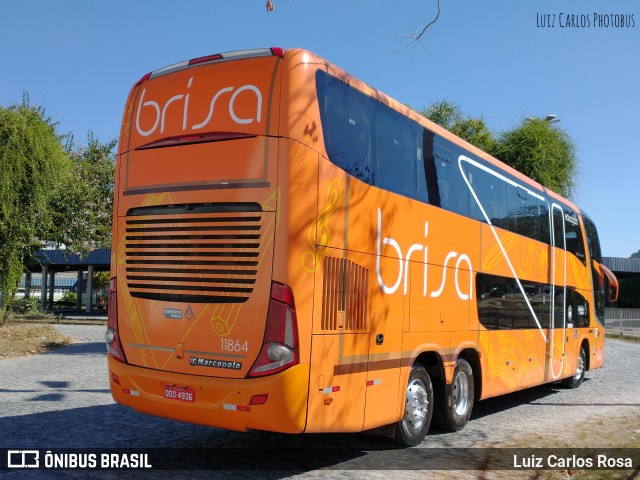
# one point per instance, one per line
(170, 220)
(133, 286)
(195, 228)
(143, 253)
(189, 298)
(148, 238)
(174, 279)
(206, 256)
(176, 262)
(192, 271)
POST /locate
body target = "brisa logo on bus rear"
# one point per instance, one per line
(179, 105)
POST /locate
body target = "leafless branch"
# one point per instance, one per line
(418, 36)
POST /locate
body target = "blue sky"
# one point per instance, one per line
(79, 58)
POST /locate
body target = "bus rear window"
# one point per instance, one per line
(221, 164)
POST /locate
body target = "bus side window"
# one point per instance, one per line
(558, 230)
(395, 167)
(525, 217)
(430, 170)
(543, 213)
(492, 195)
(346, 127)
(593, 242)
(421, 183)
(573, 235)
(444, 167)
(444, 184)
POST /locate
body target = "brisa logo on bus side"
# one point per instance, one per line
(464, 291)
(226, 94)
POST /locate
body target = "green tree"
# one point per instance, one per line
(542, 151)
(476, 132)
(444, 113)
(473, 130)
(537, 148)
(33, 162)
(635, 255)
(83, 202)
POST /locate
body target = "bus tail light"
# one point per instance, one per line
(280, 346)
(114, 347)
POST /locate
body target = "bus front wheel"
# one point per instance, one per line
(418, 409)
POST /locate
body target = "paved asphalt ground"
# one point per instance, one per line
(61, 399)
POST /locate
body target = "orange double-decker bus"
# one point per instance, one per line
(295, 251)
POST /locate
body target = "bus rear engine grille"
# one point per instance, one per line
(194, 258)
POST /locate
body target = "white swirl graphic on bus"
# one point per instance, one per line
(159, 111)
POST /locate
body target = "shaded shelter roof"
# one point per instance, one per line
(62, 260)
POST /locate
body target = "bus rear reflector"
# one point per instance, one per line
(258, 400)
(280, 346)
(114, 347)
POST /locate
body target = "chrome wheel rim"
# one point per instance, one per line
(580, 369)
(460, 394)
(417, 406)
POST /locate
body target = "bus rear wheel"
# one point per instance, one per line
(418, 409)
(455, 402)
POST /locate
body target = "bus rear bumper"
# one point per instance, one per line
(216, 402)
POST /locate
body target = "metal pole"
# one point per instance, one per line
(43, 288)
(90, 289)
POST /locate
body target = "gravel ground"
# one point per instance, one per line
(61, 399)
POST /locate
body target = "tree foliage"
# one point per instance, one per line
(473, 130)
(33, 162)
(83, 202)
(635, 255)
(542, 151)
(537, 148)
(49, 191)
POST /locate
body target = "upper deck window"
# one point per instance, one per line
(369, 140)
(378, 145)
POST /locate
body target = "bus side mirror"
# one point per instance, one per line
(612, 282)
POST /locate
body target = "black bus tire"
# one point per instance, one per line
(418, 410)
(454, 402)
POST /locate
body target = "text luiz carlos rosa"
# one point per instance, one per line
(573, 461)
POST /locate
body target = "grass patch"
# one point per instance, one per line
(617, 433)
(21, 339)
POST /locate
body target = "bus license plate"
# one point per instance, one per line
(184, 394)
